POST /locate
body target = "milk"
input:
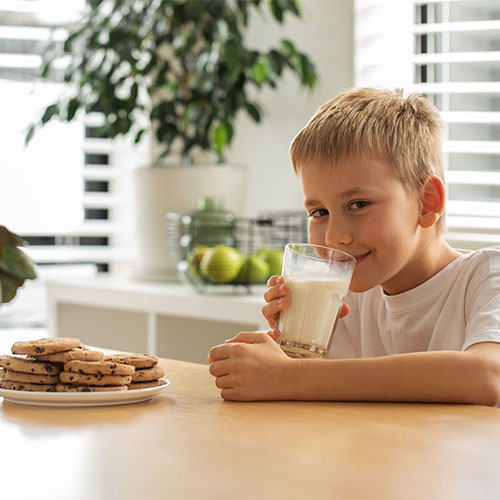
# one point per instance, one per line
(308, 322)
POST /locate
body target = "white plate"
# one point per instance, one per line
(107, 398)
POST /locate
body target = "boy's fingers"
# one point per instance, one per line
(271, 310)
(219, 368)
(274, 280)
(274, 333)
(218, 352)
(275, 292)
(345, 310)
(249, 337)
(229, 394)
(223, 382)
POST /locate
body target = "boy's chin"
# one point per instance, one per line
(360, 287)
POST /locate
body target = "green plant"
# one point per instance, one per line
(15, 266)
(182, 64)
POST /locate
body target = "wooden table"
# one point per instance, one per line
(188, 443)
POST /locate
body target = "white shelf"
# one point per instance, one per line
(159, 298)
(108, 310)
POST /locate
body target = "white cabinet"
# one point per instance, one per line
(168, 319)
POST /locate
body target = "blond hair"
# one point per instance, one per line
(404, 131)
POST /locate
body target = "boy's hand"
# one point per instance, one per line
(251, 367)
(276, 298)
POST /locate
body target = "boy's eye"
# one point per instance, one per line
(357, 205)
(318, 213)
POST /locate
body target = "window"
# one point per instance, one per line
(67, 194)
(450, 52)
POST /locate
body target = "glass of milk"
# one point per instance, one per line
(319, 279)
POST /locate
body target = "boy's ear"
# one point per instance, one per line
(433, 201)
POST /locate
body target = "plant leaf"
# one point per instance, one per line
(49, 112)
(308, 73)
(260, 71)
(253, 111)
(276, 10)
(288, 47)
(16, 263)
(275, 60)
(29, 134)
(10, 284)
(7, 236)
(221, 137)
(72, 108)
(138, 136)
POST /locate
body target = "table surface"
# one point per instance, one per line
(188, 443)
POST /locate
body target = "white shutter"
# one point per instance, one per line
(456, 60)
(454, 56)
(68, 194)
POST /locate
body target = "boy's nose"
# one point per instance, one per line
(338, 234)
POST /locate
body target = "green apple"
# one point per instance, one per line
(194, 260)
(253, 270)
(221, 264)
(274, 259)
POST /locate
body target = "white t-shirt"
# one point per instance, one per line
(454, 309)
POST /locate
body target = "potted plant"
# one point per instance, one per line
(179, 71)
(15, 266)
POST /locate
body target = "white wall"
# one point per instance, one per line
(326, 34)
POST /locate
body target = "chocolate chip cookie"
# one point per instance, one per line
(45, 346)
(73, 354)
(98, 368)
(99, 380)
(31, 378)
(26, 365)
(137, 360)
(148, 374)
(24, 386)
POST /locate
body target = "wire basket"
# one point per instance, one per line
(269, 231)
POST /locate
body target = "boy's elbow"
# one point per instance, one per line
(489, 395)
(487, 392)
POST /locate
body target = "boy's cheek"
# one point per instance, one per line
(315, 235)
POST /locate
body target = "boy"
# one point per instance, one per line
(424, 320)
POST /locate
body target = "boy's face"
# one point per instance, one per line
(361, 207)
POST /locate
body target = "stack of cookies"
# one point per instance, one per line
(147, 372)
(39, 362)
(66, 365)
(23, 374)
(94, 376)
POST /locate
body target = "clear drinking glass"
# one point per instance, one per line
(319, 279)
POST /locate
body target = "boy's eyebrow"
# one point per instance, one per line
(346, 194)
(355, 190)
(359, 191)
(308, 202)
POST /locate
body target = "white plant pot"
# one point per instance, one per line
(159, 190)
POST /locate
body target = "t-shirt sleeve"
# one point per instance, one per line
(482, 304)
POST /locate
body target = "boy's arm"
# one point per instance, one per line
(252, 367)
(472, 376)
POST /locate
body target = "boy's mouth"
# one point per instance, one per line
(360, 258)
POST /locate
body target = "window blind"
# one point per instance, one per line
(68, 193)
(456, 63)
(450, 52)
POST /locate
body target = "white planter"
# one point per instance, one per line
(159, 190)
